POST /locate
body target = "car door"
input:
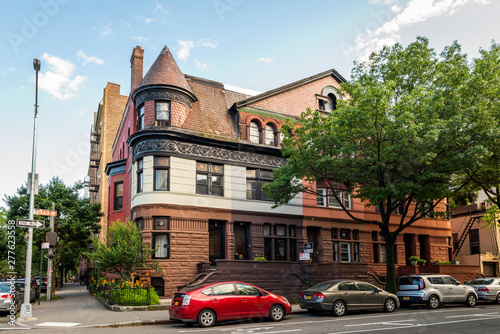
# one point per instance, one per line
(456, 290)
(254, 303)
(351, 295)
(370, 298)
(225, 301)
(444, 289)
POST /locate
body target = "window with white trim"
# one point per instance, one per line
(325, 195)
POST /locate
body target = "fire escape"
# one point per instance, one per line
(95, 160)
(475, 216)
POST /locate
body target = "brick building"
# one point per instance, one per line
(188, 164)
(102, 136)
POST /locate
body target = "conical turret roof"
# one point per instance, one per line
(165, 71)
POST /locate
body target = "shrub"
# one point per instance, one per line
(413, 258)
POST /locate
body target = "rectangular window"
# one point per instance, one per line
(293, 249)
(335, 251)
(209, 179)
(256, 179)
(268, 251)
(474, 241)
(139, 175)
(345, 251)
(162, 113)
(279, 230)
(280, 249)
(139, 222)
(161, 172)
(325, 195)
(140, 118)
(345, 234)
(118, 200)
(267, 229)
(161, 245)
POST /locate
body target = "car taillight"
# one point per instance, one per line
(186, 300)
(7, 296)
(483, 288)
(319, 295)
(301, 294)
(422, 285)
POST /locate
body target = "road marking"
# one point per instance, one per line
(393, 322)
(492, 314)
(59, 324)
(415, 325)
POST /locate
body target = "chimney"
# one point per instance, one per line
(136, 67)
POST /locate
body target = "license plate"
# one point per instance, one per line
(176, 303)
(406, 298)
(308, 297)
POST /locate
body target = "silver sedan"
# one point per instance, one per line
(340, 296)
(487, 289)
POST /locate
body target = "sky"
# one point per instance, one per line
(254, 44)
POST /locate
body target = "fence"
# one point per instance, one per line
(125, 296)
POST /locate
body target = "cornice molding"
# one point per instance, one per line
(196, 151)
(162, 93)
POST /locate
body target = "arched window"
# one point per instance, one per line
(254, 132)
(328, 99)
(270, 135)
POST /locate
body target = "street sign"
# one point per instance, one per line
(304, 256)
(45, 245)
(308, 247)
(30, 223)
(43, 212)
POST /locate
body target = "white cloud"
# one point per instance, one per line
(103, 28)
(86, 59)
(59, 81)
(383, 2)
(141, 39)
(266, 60)
(13, 69)
(186, 46)
(144, 19)
(184, 49)
(416, 11)
(203, 66)
(160, 8)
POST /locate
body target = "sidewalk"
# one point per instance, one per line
(80, 309)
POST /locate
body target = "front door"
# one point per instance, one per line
(352, 296)
(216, 240)
(226, 302)
(314, 236)
(241, 244)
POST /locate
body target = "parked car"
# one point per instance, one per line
(434, 290)
(487, 289)
(43, 282)
(33, 291)
(340, 296)
(7, 297)
(215, 302)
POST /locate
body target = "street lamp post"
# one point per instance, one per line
(26, 311)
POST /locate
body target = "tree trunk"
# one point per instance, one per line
(391, 282)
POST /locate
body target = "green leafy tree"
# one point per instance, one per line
(123, 250)
(76, 223)
(410, 124)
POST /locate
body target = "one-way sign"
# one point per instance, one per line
(30, 223)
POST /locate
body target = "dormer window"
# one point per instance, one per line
(140, 118)
(162, 113)
(327, 101)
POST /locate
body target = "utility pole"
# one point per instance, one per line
(50, 256)
(26, 311)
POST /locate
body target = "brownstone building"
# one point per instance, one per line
(189, 161)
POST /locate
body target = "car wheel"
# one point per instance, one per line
(276, 313)
(389, 305)
(433, 302)
(206, 318)
(498, 299)
(471, 300)
(339, 308)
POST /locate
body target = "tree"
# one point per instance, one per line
(410, 124)
(123, 251)
(76, 223)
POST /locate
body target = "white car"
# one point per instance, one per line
(434, 290)
(487, 289)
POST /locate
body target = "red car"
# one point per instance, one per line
(226, 301)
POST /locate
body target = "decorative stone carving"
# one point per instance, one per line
(167, 146)
(164, 94)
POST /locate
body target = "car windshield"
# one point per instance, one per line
(480, 282)
(322, 286)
